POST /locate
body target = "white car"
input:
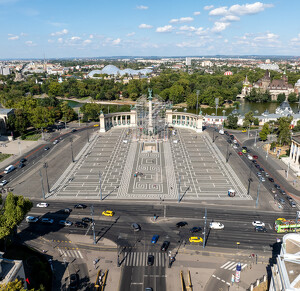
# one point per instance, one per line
(31, 219)
(234, 141)
(42, 204)
(65, 222)
(235, 146)
(3, 182)
(216, 225)
(258, 223)
(250, 157)
(262, 179)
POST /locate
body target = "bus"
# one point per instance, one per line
(282, 226)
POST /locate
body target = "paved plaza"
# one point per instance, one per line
(114, 166)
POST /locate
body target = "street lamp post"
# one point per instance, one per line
(204, 233)
(179, 189)
(46, 167)
(71, 141)
(249, 179)
(87, 133)
(93, 224)
(79, 116)
(255, 138)
(224, 111)
(65, 122)
(42, 182)
(100, 186)
(227, 153)
(197, 92)
(19, 144)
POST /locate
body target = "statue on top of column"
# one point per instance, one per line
(150, 94)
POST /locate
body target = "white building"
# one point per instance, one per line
(4, 70)
(188, 61)
(206, 64)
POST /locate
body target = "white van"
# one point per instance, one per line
(9, 169)
(221, 131)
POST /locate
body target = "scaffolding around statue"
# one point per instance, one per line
(151, 122)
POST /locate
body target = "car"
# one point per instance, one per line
(244, 148)
(73, 130)
(108, 213)
(148, 289)
(281, 201)
(42, 205)
(31, 219)
(260, 229)
(81, 224)
(244, 130)
(196, 239)
(229, 140)
(96, 125)
(165, 245)
(74, 281)
(250, 157)
(66, 210)
(244, 151)
(56, 141)
(293, 204)
(258, 174)
(289, 198)
(257, 166)
(226, 132)
(255, 157)
(240, 153)
(80, 206)
(150, 260)
(262, 170)
(216, 225)
(281, 219)
(46, 148)
(195, 229)
(181, 224)
(3, 182)
(221, 131)
(258, 223)
(21, 165)
(254, 162)
(87, 219)
(135, 226)
(154, 239)
(23, 160)
(266, 174)
(271, 179)
(231, 136)
(262, 179)
(235, 146)
(47, 220)
(273, 190)
(234, 141)
(65, 222)
(282, 192)
(277, 186)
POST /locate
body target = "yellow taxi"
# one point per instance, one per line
(196, 239)
(108, 213)
(244, 130)
(96, 125)
(282, 219)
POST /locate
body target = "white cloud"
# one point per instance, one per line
(197, 13)
(58, 33)
(116, 41)
(30, 43)
(296, 39)
(87, 41)
(220, 26)
(226, 40)
(91, 36)
(245, 9)
(15, 37)
(268, 37)
(23, 34)
(166, 28)
(145, 26)
(57, 24)
(142, 7)
(190, 44)
(60, 40)
(230, 18)
(187, 28)
(74, 38)
(51, 40)
(182, 20)
(131, 34)
(208, 7)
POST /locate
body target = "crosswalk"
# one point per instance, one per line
(138, 259)
(71, 253)
(230, 265)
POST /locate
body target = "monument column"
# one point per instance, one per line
(150, 126)
(102, 122)
(199, 123)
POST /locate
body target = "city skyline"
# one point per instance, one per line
(147, 28)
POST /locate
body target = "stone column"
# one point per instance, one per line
(102, 123)
(298, 152)
(133, 118)
(199, 123)
(291, 152)
(169, 116)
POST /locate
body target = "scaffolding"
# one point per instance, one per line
(151, 121)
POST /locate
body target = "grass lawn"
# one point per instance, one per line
(32, 136)
(4, 156)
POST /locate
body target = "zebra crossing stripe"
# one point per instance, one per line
(243, 266)
(227, 263)
(228, 267)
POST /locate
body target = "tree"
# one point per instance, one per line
(16, 285)
(284, 135)
(264, 132)
(232, 120)
(280, 98)
(248, 119)
(41, 117)
(297, 127)
(256, 121)
(292, 98)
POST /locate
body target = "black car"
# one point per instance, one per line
(289, 198)
(229, 140)
(195, 229)
(262, 170)
(21, 165)
(231, 136)
(181, 224)
(74, 282)
(80, 206)
(257, 166)
(271, 179)
(46, 148)
(67, 210)
(23, 160)
(226, 132)
(277, 186)
(73, 130)
(165, 245)
(80, 224)
(86, 219)
(254, 162)
(244, 148)
(260, 229)
(282, 192)
(150, 260)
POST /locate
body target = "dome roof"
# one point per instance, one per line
(113, 70)
(298, 83)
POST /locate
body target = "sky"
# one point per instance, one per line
(103, 28)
